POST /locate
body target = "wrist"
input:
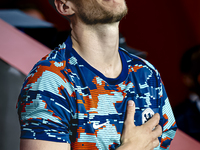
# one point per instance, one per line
(124, 147)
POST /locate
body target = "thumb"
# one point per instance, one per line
(130, 112)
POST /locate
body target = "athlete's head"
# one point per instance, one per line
(190, 69)
(92, 12)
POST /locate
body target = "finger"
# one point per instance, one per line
(156, 143)
(153, 121)
(130, 112)
(157, 131)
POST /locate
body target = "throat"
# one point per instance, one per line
(112, 71)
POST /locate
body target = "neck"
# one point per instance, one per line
(98, 45)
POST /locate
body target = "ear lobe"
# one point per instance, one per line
(64, 7)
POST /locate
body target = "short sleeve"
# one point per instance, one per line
(44, 106)
(167, 120)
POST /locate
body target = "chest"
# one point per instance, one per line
(100, 108)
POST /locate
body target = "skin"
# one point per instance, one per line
(144, 137)
(97, 42)
(99, 13)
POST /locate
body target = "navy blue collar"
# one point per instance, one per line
(112, 81)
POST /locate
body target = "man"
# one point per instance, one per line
(90, 94)
(188, 112)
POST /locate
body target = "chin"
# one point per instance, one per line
(117, 8)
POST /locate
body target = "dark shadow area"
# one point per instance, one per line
(11, 81)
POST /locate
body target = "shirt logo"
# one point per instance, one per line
(96, 126)
(147, 114)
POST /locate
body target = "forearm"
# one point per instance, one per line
(125, 147)
(30, 144)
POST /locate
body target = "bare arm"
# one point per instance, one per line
(30, 144)
(144, 137)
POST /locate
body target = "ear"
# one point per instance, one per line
(64, 7)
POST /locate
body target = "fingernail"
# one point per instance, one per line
(130, 103)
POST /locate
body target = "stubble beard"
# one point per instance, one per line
(92, 13)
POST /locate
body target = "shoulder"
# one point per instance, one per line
(50, 70)
(48, 76)
(138, 62)
(56, 55)
(54, 61)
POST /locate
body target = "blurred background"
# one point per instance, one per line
(160, 31)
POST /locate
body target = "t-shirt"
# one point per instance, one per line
(65, 99)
